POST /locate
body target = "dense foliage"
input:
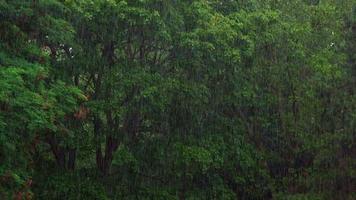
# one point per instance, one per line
(177, 99)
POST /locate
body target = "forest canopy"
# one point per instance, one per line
(178, 99)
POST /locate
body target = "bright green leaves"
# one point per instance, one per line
(29, 109)
(123, 157)
(68, 98)
(19, 98)
(322, 64)
(193, 158)
(33, 104)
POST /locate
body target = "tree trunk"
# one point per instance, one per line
(104, 161)
(57, 151)
(72, 154)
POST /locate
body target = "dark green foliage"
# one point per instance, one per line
(62, 185)
(115, 99)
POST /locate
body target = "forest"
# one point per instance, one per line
(177, 99)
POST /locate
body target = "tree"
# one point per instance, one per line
(149, 99)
